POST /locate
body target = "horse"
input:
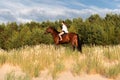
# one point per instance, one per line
(71, 37)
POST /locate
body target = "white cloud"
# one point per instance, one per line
(22, 20)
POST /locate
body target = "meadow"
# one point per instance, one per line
(103, 60)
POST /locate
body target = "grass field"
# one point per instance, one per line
(32, 60)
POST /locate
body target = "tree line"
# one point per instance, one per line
(94, 30)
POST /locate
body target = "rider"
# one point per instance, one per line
(64, 30)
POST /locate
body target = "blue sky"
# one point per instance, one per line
(42, 10)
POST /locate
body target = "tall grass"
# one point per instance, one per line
(12, 76)
(96, 59)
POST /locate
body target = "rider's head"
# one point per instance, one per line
(63, 22)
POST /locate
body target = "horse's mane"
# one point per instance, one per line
(54, 29)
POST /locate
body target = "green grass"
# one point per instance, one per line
(112, 53)
(78, 67)
(12, 76)
(2, 58)
(113, 71)
(57, 68)
(95, 59)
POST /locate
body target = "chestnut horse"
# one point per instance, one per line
(72, 38)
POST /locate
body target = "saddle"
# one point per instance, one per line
(64, 34)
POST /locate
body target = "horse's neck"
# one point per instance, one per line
(55, 34)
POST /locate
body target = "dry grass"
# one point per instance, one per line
(95, 59)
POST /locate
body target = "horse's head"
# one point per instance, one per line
(49, 30)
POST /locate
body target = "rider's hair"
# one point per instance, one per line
(63, 22)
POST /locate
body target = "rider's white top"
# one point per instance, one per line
(64, 28)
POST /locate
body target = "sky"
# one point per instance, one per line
(42, 10)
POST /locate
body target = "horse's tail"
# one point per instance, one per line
(79, 44)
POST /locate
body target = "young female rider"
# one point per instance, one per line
(64, 30)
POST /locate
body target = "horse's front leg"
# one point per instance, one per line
(56, 43)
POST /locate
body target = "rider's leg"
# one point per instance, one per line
(60, 35)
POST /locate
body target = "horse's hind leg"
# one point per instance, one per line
(73, 45)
